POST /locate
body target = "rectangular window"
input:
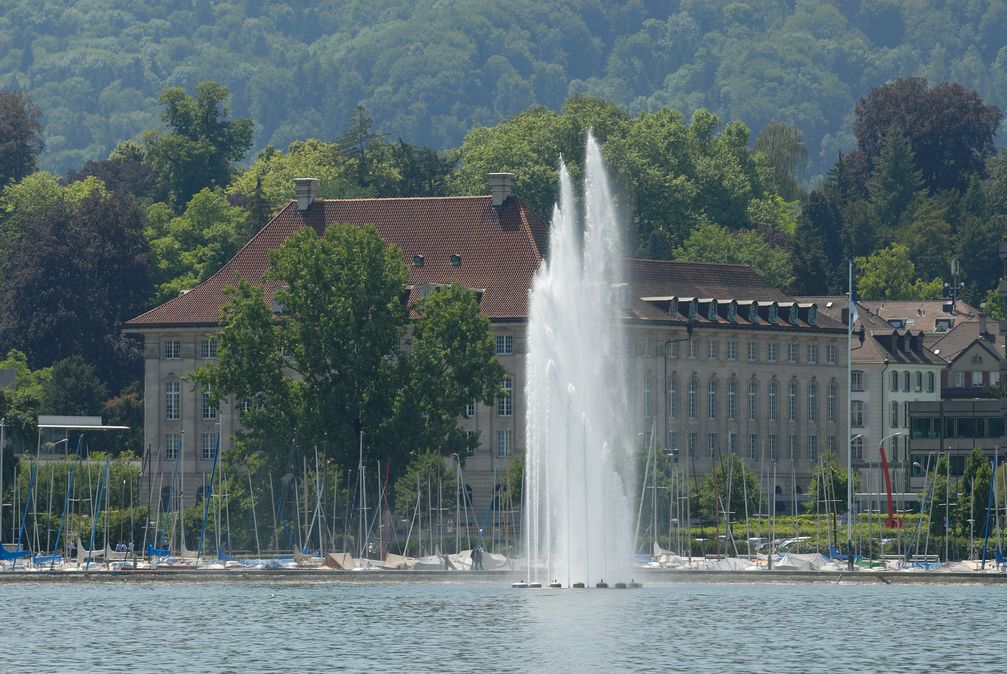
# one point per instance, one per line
(772, 447)
(470, 409)
(172, 349)
(960, 379)
(672, 399)
(771, 352)
(505, 401)
(857, 414)
(504, 345)
(753, 446)
(894, 381)
(172, 400)
(906, 381)
(791, 352)
(209, 409)
(833, 444)
(648, 346)
(812, 354)
(208, 348)
(732, 349)
(692, 444)
(833, 408)
(732, 443)
(857, 380)
(209, 445)
(671, 347)
(812, 448)
(893, 413)
(172, 445)
(977, 378)
(694, 347)
(905, 414)
(830, 354)
(648, 397)
(858, 449)
(714, 445)
(712, 347)
(918, 381)
(793, 448)
(504, 440)
(994, 376)
(753, 351)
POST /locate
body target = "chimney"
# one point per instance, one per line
(501, 187)
(305, 189)
(982, 325)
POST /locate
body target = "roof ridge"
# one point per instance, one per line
(440, 198)
(718, 264)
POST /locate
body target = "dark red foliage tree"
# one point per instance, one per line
(72, 278)
(950, 129)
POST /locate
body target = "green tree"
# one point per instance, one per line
(895, 180)
(201, 146)
(974, 493)
(927, 235)
(74, 388)
(728, 484)
(187, 249)
(889, 274)
(828, 485)
(712, 243)
(20, 136)
(451, 364)
(787, 157)
(426, 484)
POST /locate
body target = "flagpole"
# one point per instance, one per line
(851, 313)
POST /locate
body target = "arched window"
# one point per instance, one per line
(753, 393)
(693, 390)
(772, 401)
(673, 399)
(813, 402)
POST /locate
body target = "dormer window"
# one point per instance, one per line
(417, 260)
(812, 315)
(753, 312)
(456, 260)
(792, 314)
(711, 310)
(772, 317)
(693, 310)
(732, 311)
(944, 324)
(672, 306)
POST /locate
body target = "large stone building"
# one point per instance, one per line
(718, 361)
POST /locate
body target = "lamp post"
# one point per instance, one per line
(849, 499)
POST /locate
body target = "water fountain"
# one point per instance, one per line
(578, 465)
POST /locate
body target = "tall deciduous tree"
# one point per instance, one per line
(787, 156)
(340, 322)
(950, 129)
(730, 484)
(889, 274)
(713, 243)
(201, 146)
(20, 136)
(75, 273)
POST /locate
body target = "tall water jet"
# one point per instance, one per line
(578, 465)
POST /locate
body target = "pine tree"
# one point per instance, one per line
(895, 179)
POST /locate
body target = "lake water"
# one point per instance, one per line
(489, 627)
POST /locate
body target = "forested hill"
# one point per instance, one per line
(428, 71)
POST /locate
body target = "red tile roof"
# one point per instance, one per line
(499, 251)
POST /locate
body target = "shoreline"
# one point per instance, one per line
(647, 576)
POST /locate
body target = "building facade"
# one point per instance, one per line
(717, 360)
